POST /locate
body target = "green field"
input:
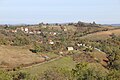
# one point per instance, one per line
(64, 62)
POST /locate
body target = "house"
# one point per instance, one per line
(50, 33)
(79, 45)
(22, 29)
(54, 33)
(14, 31)
(65, 30)
(90, 46)
(31, 32)
(34, 31)
(38, 32)
(70, 48)
(26, 30)
(84, 45)
(61, 53)
(51, 42)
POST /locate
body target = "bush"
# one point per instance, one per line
(113, 75)
(21, 41)
(19, 76)
(5, 76)
(83, 72)
(56, 74)
(4, 41)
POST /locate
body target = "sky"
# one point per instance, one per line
(59, 11)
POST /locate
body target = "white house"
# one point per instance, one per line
(38, 32)
(65, 30)
(83, 44)
(31, 32)
(70, 48)
(54, 33)
(26, 30)
(61, 53)
(51, 42)
(22, 29)
(79, 45)
(14, 31)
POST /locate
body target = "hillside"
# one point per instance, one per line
(44, 52)
(102, 35)
(11, 57)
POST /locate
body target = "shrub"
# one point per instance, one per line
(5, 76)
(20, 76)
(4, 41)
(113, 75)
(83, 72)
(21, 41)
(56, 74)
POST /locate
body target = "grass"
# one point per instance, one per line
(49, 54)
(100, 56)
(14, 56)
(65, 62)
(98, 67)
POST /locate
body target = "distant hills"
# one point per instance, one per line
(115, 24)
(112, 24)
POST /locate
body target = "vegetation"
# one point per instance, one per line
(90, 59)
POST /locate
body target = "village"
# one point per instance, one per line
(50, 38)
(59, 40)
(35, 46)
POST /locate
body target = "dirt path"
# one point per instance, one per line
(38, 64)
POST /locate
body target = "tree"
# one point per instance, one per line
(56, 74)
(94, 23)
(113, 36)
(83, 72)
(80, 24)
(113, 75)
(114, 59)
(21, 41)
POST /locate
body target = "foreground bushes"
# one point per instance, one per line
(15, 76)
(81, 72)
(4, 76)
(56, 74)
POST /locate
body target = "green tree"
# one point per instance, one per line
(113, 75)
(21, 41)
(83, 72)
